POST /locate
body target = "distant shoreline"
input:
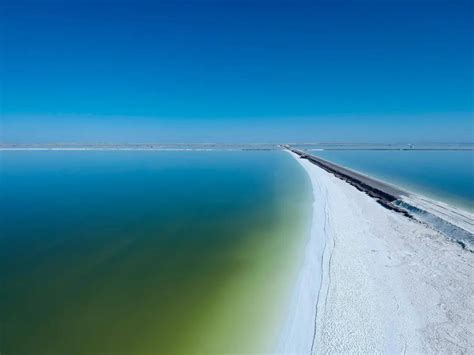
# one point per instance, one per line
(240, 146)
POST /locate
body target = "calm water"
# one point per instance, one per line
(147, 252)
(444, 175)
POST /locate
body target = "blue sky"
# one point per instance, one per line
(236, 71)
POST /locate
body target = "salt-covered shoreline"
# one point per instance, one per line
(373, 280)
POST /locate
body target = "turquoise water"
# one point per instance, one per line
(443, 175)
(148, 252)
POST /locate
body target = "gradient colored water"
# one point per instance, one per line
(148, 252)
(443, 175)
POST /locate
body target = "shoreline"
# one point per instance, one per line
(406, 187)
(454, 223)
(299, 333)
(373, 280)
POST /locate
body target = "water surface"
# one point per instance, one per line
(148, 252)
(443, 175)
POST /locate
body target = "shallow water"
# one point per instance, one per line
(443, 175)
(148, 252)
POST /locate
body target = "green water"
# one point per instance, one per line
(148, 252)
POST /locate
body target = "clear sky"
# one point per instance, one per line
(236, 71)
